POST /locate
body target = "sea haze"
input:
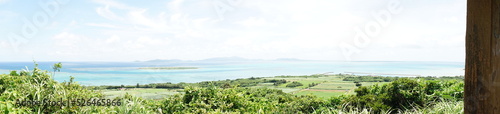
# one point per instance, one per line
(128, 73)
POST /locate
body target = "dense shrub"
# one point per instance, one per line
(38, 85)
(255, 100)
(294, 84)
(358, 84)
(369, 79)
(277, 82)
(248, 82)
(405, 93)
(312, 84)
(304, 76)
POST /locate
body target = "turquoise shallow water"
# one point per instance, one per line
(128, 73)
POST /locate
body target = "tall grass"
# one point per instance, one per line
(38, 85)
(451, 107)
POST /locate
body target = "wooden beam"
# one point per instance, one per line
(482, 63)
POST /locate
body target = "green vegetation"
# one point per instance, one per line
(324, 94)
(294, 84)
(358, 84)
(277, 82)
(405, 93)
(438, 108)
(57, 67)
(248, 82)
(38, 85)
(253, 100)
(370, 79)
(154, 85)
(306, 76)
(312, 84)
(283, 94)
(149, 93)
(168, 68)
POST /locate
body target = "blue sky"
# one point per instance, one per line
(129, 30)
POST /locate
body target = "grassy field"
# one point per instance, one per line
(140, 92)
(373, 83)
(322, 93)
(327, 86)
(335, 86)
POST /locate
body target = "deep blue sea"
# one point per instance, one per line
(128, 73)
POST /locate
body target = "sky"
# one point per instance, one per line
(130, 30)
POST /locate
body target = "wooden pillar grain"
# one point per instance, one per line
(482, 63)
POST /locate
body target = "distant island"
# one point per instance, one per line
(168, 68)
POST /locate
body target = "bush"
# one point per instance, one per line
(38, 85)
(254, 100)
(277, 82)
(294, 84)
(404, 94)
(312, 84)
(358, 84)
(369, 79)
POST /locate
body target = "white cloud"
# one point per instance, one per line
(239, 41)
(152, 41)
(4, 1)
(453, 19)
(107, 13)
(175, 5)
(137, 17)
(106, 25)
(254, 22)
(113, 39)
(113, 3)
(3, 44)
(73, 23)
(68, 39)
(6, 16)
(145, 21)
(183, 29)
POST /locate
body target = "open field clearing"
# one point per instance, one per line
(146, 93)
(325, 94)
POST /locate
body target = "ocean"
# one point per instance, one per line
(128, 73)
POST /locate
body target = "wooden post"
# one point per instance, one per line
(482, 63)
